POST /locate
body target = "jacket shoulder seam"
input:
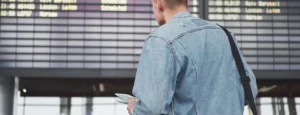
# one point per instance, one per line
(191, 31)
(169, 45)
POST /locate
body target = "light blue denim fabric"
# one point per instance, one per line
(187, 68)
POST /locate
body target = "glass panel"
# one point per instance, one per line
(42, 110)
(20, 99)
(266, 109)
(121, 109)
(298, 108)
(43, 100)
(286, 109)
(246, 110)
(297, 100)
(77, 110)
(265, 100)
(101, 100)
(20, 110)
(108, 106)
(104, 109)
(78, 100)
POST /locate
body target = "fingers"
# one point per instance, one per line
(131, 98)
(129, 110)
(131, 103)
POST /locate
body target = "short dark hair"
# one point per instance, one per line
(172, 3)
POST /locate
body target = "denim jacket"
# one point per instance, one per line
(187, 68)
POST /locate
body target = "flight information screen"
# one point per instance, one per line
(110, 33)
(75, 33)
(268, 31)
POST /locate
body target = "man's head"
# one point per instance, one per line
(165, 9)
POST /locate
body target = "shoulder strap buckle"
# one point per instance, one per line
(245, 79)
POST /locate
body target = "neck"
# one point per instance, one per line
(169, 13)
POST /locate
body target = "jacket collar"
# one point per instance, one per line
(181, 14)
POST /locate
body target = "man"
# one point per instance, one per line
(187, 68)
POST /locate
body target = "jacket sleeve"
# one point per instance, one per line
(156, 78)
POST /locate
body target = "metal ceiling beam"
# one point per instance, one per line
(119, 73)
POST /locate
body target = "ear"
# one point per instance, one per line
(159, 5)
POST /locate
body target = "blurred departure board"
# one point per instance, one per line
(62, 8)
(109, 34)
(96, 34)
(268, 31)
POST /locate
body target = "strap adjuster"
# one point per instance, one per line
(245, 79)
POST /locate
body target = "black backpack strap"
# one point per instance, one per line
(240, 66)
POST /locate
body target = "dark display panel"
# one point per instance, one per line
(268, 31)
(75, 33)
(89, 36)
